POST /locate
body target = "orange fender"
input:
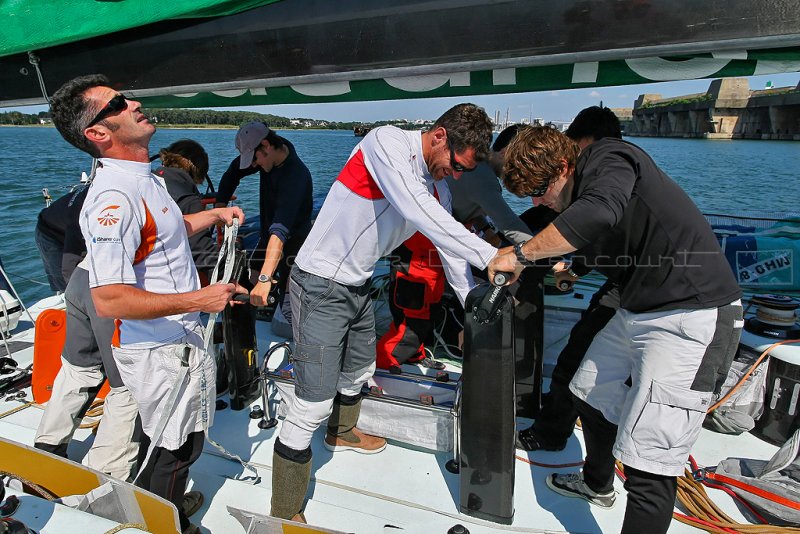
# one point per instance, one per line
(48, 342)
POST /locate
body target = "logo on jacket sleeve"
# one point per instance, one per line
(108, 216)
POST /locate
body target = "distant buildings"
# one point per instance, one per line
(727, 110)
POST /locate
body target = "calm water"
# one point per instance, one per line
(721, 176)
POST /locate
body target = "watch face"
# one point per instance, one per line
(263, 278)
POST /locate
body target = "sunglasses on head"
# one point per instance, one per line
(456, 166)
(115, 105)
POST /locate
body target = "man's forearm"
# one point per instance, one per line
(272, 255)
(197, 222)
(122, 301)
(547, 244)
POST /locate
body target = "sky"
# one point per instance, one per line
(549, 105)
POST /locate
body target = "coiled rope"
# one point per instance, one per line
(94, 413)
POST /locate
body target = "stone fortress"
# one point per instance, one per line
(728, 110)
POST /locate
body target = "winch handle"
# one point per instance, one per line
(501, 278)
(245, 298)
(490, 304)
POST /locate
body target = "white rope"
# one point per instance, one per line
(439, 339)
(225, 259)
(33, 59)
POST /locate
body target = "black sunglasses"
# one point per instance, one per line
(115, 105)
(456, 166)
(540, 191)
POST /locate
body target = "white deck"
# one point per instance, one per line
(403, 489)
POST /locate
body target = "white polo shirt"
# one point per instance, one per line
(135, 234)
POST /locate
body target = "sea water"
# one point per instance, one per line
(720, 176)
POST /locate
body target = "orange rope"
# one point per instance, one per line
(749, 372)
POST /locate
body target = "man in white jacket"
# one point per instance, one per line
(383, 195)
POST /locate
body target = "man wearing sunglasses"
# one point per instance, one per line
(417, 277)
(647, 379)
(385, 193)
(141, 273)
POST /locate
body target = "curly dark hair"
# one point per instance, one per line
(188, 155)
(468, 126)
(535, 158)
(72, 111)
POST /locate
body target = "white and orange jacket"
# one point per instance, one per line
(382, 196)
(135, 234)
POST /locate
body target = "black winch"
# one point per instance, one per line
(775, 317)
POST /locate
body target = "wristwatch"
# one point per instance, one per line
(265, 278)
(525, 262)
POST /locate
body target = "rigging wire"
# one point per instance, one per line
(28, 279)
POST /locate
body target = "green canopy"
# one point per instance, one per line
(34, 24)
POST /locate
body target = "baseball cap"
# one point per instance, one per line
(248, 138)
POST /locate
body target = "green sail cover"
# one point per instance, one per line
(33, 24)
(498, 81)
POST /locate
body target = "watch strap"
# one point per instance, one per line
(525, 262)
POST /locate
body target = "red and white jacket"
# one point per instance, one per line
(382, 196)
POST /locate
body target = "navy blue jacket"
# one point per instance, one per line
(285, 201)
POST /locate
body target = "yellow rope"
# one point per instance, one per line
(692, 495)
(96, 411)
(17, 409)
(32, 486)
(123, 526)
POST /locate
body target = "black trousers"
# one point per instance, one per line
(167, 471)
(651, 497)
(555, 422)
